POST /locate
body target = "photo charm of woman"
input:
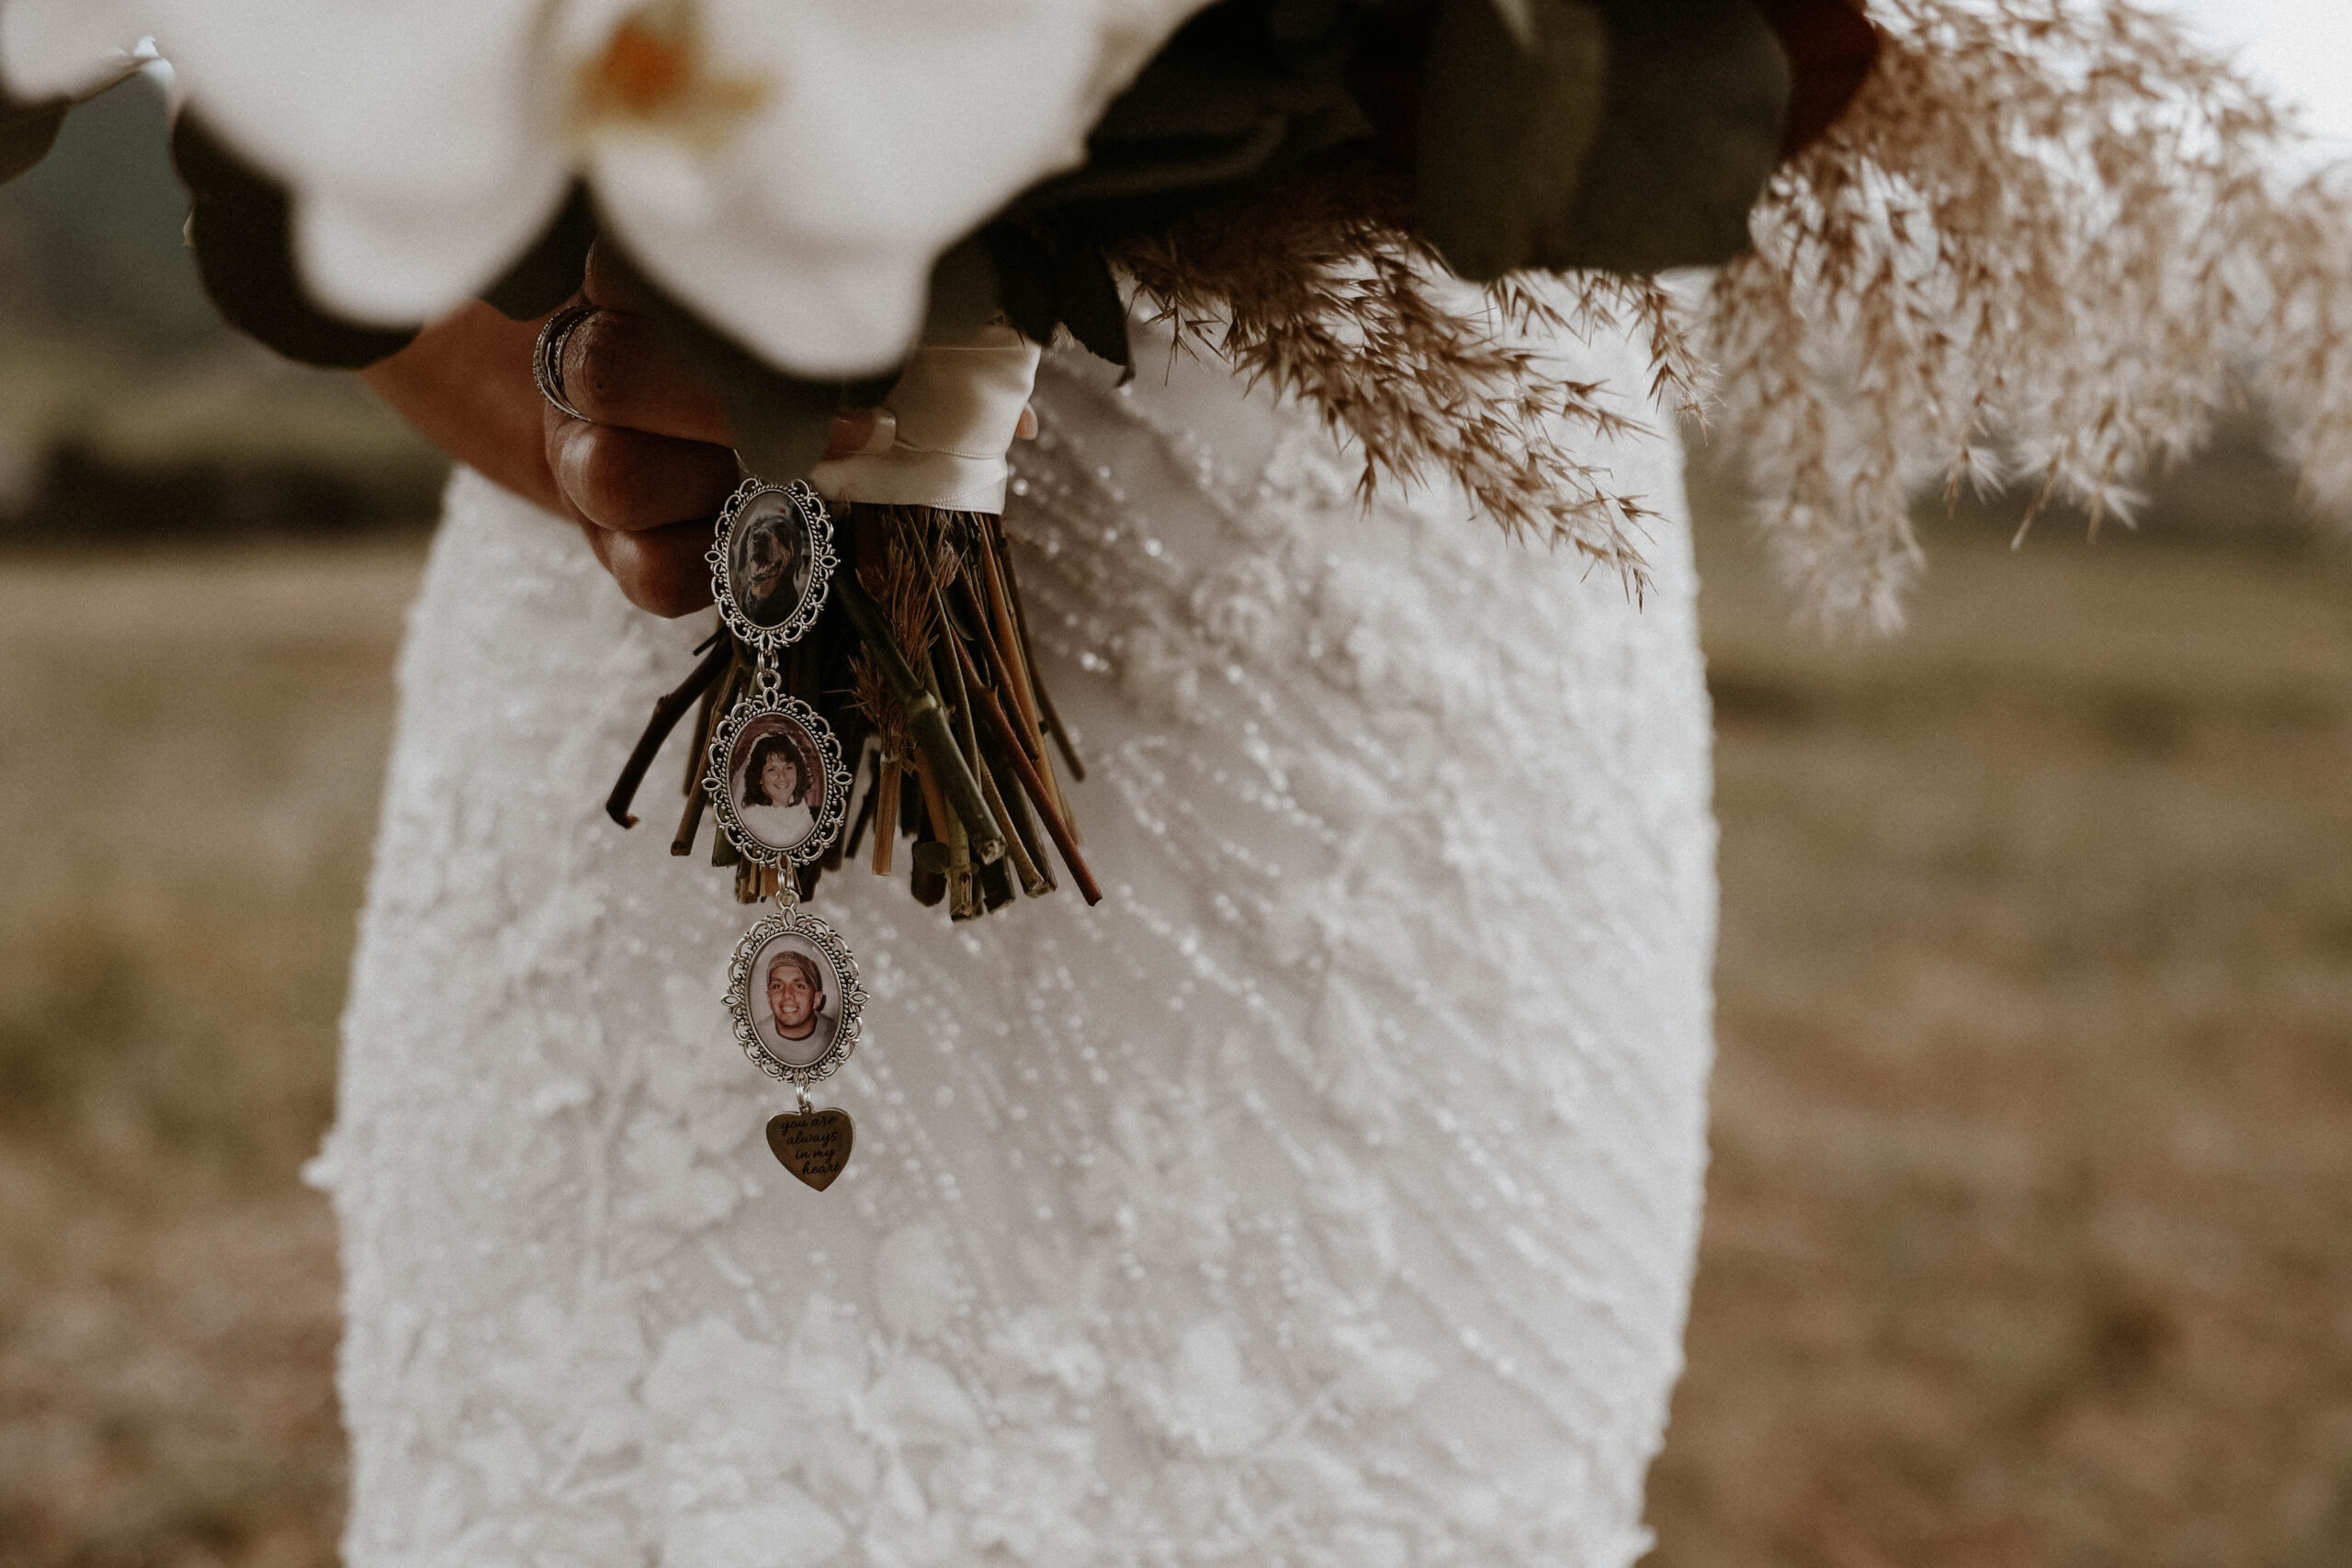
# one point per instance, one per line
(775, 781)
(775, 778)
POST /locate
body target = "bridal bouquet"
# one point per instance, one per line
(1965, 241)
(1942, 226)
(807, 191)
(1955, 241)
(823, 206)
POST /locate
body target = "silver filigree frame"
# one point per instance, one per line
(765, 701)
(822, 563)
(849, 1021)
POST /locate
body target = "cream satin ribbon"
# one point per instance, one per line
(945, 429)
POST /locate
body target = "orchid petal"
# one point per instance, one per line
(383, 263)
(413, 136)
(815, 310)
(793, 180)
(63, 49)
(887, 134)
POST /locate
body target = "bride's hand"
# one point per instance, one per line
(647, 470)
(643, 475)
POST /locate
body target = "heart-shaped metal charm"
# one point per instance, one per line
(812, 1145)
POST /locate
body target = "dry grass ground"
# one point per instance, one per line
(2031, 1227)
(189, 756)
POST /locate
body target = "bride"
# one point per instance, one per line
(1327, 1196)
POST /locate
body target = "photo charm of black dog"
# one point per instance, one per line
(771, 562)
(775, 780)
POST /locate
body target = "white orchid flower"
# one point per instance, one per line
(789, 169)
(53, 50)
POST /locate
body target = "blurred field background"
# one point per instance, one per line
(2029, 1227)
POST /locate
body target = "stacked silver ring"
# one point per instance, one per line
(547, 358)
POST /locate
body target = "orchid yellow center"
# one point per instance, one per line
(642, 72)
(655, 72)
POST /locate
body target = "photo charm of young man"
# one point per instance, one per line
(796, 1000)
(775, 781)
(768, 566)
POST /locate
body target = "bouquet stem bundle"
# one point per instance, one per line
(921, 664)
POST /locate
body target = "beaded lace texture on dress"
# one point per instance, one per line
(1326, 1198)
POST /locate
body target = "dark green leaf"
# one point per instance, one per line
(238, 223)
(1090, 304)
(1025, 281)
(963, 293)
(866, 391)
(1246, 88)
(1505, 129)
(26, 134)
(549, 273)
(1831, 46)
(1048, 278)
(1117, 170)
(1182, 96)
(1697, 101)
(1304, 21)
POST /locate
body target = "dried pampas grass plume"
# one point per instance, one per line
(2035, 249)
(1322, 289)
(2299, 255)
(2041, 246)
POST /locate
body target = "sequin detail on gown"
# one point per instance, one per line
(1325, 1198)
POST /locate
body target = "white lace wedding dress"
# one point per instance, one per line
(1327, 1197)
